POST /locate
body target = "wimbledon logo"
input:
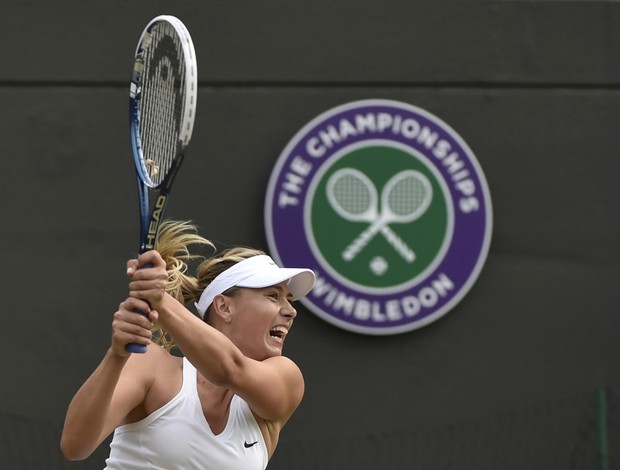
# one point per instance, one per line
(389, 207)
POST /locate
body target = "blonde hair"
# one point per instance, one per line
(175, 243)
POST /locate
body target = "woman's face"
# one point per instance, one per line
(260, 320)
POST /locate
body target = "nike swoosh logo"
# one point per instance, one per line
(247, 446)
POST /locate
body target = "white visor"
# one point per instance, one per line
(257, 272)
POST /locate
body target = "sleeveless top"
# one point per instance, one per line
(177, 436)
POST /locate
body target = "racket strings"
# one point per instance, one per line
(352, 195)
(161, 100)
(407, 196)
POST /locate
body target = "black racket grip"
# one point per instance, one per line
(135, 347)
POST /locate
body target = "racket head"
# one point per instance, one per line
(406, 196)
(162, 98)
(352, 195)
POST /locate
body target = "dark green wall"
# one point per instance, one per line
(532, 87)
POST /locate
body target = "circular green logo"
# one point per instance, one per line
(378, 216)
(389, 207)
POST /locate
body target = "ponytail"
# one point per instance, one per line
(173, 244)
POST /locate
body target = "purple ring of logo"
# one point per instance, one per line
(461, 264)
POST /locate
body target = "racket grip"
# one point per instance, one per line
(135, 347)
(361, 241)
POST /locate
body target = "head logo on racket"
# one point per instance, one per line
(391, 209)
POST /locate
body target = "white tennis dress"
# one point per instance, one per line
(177, 436)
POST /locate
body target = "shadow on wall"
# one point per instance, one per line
(573, 432)
(31, 444)
(576, 432)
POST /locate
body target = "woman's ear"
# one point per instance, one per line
(221, 308)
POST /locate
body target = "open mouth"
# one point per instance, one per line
(278, 333)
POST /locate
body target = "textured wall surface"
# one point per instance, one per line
(532, 87)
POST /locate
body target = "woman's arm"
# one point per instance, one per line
(117, 386)
(273, 388)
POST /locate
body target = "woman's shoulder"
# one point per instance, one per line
(166, 372)
(154, 366)
(161, 361)
(156, 357)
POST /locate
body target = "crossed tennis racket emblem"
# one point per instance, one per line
(405, 198)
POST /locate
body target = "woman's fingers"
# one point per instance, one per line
(129, 326)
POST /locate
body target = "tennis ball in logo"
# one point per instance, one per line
(379, 265)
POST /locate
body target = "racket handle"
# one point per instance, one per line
(398, 244)
(135, 347)
(362, 240)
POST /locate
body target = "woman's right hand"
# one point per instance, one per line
(148, 278)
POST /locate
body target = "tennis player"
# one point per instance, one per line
(221, 406)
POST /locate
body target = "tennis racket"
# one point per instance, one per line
(162, 107)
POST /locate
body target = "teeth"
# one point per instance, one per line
(280, 329)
